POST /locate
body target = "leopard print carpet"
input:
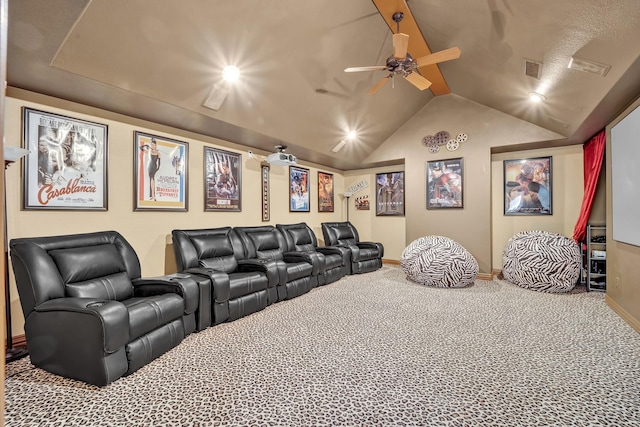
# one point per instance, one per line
(371, 350)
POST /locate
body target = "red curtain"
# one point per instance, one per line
(593, 155)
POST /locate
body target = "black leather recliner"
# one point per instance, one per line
(88, 313)
(240, 286)
(299, 237)
(267, 243)
(365, 256)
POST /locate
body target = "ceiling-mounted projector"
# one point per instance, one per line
(281, 158)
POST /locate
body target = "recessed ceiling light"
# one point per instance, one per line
(536, 97)
(352, 135)
(231, 73)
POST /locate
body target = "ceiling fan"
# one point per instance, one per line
(401, 63)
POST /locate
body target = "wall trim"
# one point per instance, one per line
(632, 321)
(18, 341)
(390, 261)
(484, 276)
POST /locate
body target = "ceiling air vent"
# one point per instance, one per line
(532, 68)
(216, 97)
(587, 66)
(339, 146)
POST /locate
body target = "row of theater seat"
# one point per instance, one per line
(89, 315)
(252, 267)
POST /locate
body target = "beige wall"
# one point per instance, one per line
(148, 232)
(567, 191)
(623, 291)
(486, 128)
(388, 230)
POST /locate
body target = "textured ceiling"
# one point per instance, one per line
(159, 59)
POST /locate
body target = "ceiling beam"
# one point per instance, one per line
(417, 45)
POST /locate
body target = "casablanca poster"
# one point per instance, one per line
(67, 164)
(160, 173)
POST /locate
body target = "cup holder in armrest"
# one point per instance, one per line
(96, 304)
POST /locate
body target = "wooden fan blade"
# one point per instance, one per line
(443, 55)
(372, 68)
(400, 45)
(378, 86)
(418, 81)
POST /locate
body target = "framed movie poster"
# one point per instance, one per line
(325, 192)
(222, 180)
(161, 169)
(444, 184)
(67, 164)
(298, 189)
(390, 194)
(527, 186)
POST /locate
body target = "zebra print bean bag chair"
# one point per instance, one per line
(542, 261)
(440, 262)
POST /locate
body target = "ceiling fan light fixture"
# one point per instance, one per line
(401, 63)
(536, 97)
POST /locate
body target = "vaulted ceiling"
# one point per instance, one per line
(160, 60)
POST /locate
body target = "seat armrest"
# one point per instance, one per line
(218, 279)
(368, 245)
(329, 250)
(316, 259)
(178, 283)
(380, 249)
(355, 252)
(276, 270)
(336, 250)
(372, 245)
(112, 315)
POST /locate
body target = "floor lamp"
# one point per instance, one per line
(353, 190)
(347, 195)
(11, 155)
